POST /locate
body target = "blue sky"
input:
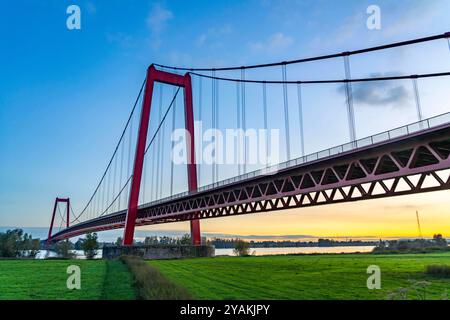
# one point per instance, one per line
(65, 94)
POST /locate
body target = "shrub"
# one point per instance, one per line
(439, 270)
(151, 284)
(241, 248)
(63, 249)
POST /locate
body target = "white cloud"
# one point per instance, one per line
(350, 28)
(276, 43)
(157, 21)
(213, 35)
(398, 22)
(415, 19)
(158, 17)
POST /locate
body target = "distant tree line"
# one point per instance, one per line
(220, 243)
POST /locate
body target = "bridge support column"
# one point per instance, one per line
(190, 149)
(57, 200)
(154, 75)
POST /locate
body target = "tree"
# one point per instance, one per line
(16, 244)
(63, 249)
(30, 245)
(119, 241)
(439, 240)
(241, 248)
(90, 245)
(9, 243)
(151, 241)
(79, 244)
(186, 239)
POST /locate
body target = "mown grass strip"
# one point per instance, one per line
(118, 282)
(151, 284)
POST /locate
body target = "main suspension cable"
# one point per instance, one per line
(411, 76)
(73, 214)
(60, 214)
(115, 150)
(118, 195)
(146, 149)
(316, 58)
(162, 120)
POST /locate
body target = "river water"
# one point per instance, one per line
(256, 251)
(78, 253)
(304, 250)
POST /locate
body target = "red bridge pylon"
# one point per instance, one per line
(154, 75)
(58, 200)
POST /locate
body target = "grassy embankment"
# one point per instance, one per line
(151, 284)
(46, 279)
(305, 276)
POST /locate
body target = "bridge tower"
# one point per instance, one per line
(154, 75)
(58, 200)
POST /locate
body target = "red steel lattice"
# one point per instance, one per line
(410, 164)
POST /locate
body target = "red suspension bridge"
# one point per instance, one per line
(409, 159)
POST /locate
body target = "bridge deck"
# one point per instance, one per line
(395, 162)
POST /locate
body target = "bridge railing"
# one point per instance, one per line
(360, 143)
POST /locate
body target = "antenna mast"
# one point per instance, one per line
(418, 224)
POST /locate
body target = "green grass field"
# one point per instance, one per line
(46, 279)
(303, 276)
(268, 277)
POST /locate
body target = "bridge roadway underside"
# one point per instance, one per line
(410, 164)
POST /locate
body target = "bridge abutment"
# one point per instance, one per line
(159, 251)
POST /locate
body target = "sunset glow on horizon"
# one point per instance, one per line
(367, 219)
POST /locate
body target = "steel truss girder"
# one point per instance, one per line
(415, 164)
(381, 174)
